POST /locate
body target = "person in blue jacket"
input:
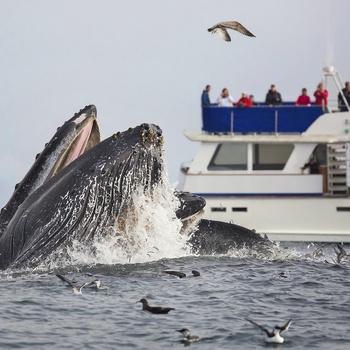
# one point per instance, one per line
(205, 96)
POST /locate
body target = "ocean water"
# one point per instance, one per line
(39, 311)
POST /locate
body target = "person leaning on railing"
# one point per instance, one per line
(273, 97)
(303, 99)
(225, 99)
(244, 101)
(254, 103)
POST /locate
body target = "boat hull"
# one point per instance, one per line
(299, 219)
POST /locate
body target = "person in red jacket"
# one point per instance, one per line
(321, 95)
(303, 99)
(244, 101)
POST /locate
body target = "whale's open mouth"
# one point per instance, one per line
(87, 137)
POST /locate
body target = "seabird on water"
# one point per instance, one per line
(179, 274)
(187, 336)
(221, 29)
(76, 289)
(176, 273)
(342, 256)
(273, 336)
(154, 309)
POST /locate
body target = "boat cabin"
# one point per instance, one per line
(271, 145)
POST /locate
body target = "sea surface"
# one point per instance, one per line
(39, 311)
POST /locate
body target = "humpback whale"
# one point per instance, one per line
(76, 135)
(217, 237)
(79, 187)
(89, 194)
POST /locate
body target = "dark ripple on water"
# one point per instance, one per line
(39, 311)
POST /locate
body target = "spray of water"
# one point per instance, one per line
(150, 231)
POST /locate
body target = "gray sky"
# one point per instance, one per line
(148, 61)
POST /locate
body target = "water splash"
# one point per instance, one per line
(150, 232)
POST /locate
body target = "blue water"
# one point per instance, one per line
(39, 311)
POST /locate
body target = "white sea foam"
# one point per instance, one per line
(151, 232)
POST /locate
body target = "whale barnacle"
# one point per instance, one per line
(142, 136)
(151, 135)
(160, 138)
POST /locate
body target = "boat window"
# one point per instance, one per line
(271, 156)
(229, 156)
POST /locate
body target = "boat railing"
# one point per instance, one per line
(286, 118)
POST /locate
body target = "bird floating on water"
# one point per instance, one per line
(76, 289)
(342, 256)
(154, 309)
(179, 274)
(221, 29)
(175, 273)
(187, 336)
(273, 336)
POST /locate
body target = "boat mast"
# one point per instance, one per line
(331, 72)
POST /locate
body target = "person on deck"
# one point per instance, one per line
(244, 101)
(225, 99)
(273, 97)
(205, 96)
(321, 95)
(254, 103)
(303, 99)
(346, 93)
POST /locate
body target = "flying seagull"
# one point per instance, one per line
(273, 336)
(77, 289)
(221, 29)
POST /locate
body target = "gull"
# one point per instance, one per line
(273, 336)
(187, 336)
(221, 29)
(76, 289)
(154, 309)
(342, 256)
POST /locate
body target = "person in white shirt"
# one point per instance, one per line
(225, 99)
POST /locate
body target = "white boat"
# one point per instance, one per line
(248, 168)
